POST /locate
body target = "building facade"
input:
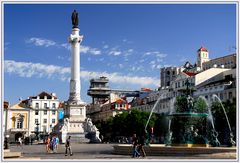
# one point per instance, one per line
(228, 61)
(202, 57)
(44, 111)
(168, 74)
(223, 85)
(18, 121)
(35, 115)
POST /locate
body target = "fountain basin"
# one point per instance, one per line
(190, 145)
(190, 114)
(162, 150)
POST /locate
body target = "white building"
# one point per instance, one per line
(223, 85)
(202, 57)
(44, 111)
(36, 114)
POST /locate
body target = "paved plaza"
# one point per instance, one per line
(99, 152)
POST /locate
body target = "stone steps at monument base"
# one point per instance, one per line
(78, 138)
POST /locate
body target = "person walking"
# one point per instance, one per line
(20, 142)
(135, 152)
(56, 143)
(141, 146)
(48, 141)
(68, 146)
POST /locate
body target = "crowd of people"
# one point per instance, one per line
(52, 144)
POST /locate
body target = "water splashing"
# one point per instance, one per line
(155, 105)
(210, 117)
(215, 96)
(231, 142)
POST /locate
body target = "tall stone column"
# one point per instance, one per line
(75, 85)
(75, 121)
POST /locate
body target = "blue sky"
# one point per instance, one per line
(128, 43)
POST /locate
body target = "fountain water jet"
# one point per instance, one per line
(231, 141)
(214, 142)
(155, 105)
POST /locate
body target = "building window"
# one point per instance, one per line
(45, 105)
(53, 120)
(20, 123)
(53, 112)
(168, 83)
(45, 112)
(54, 106)
(37, 105)
(44, 120)
(175, 85)
(36, 112)
(36, 121)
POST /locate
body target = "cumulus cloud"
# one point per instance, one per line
(114, 52)
(66, 46)
(46, 43)
(28, 69)
(87, 50)
(41, 42)
(155, 53)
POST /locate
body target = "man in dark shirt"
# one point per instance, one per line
(135, 152)
(68, 146)
(141, 145)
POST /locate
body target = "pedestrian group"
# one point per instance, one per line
(138, 146)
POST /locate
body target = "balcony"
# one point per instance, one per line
(18, 130)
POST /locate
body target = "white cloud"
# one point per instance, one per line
(115, 52)
(41, 42)
(152, 63)
(46, 43)
(66, 46)
(122, 79)
(155, 53)
(87, 49)
(28, 69)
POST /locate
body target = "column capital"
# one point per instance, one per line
(75, 38)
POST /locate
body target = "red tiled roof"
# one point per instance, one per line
(190, 73)
(203, 49)
(146, 89)
(120, 101)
